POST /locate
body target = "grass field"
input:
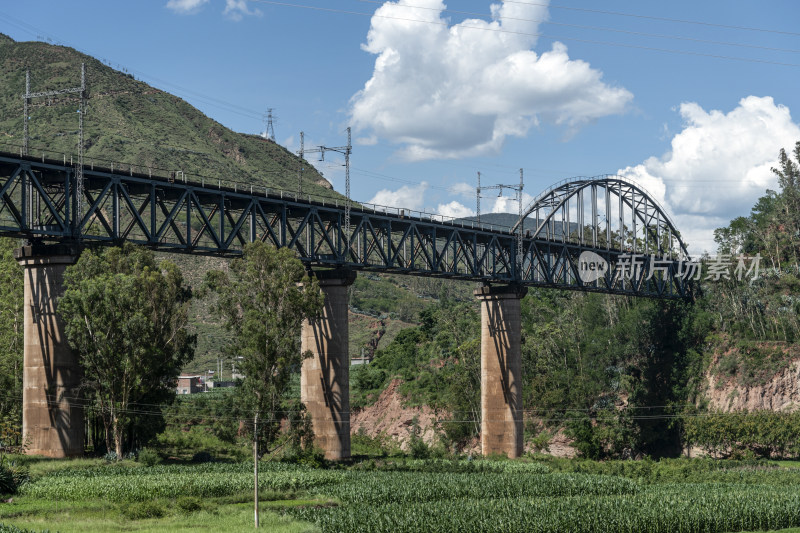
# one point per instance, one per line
(404, 495)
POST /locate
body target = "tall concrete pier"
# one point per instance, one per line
(325, 377)
(52, 420)
(501, 370)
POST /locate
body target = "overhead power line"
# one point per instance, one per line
(209, 100)
(242, 111)
(593, 28)
(534, 34)
(560, 416)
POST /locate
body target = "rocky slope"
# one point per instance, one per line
(778, 391)
(747, 375)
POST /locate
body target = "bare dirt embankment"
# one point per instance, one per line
(389, 416)
(560, 446)
(780, 392)
(752, 376)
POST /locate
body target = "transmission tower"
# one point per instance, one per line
(79, 173)
(82, 93)
(269, 120)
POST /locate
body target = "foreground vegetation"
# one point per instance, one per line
(399, 494)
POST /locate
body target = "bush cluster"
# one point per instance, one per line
(12, 476)
(742, 434)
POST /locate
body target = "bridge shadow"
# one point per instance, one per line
(330, 342)
(501, 339)
(53, 414)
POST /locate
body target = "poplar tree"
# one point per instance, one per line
(263, 301)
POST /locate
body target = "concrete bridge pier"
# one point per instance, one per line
(52, 418)
(501, 369)
(325, 376)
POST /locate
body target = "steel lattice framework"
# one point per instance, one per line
(608, 212)
(38, 202)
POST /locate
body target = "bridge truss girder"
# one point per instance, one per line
(37, 202)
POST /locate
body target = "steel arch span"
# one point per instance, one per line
(606, 212)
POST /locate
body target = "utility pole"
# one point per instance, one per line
(255, 467)
(79, 173)
(478, 198)
(27, 101)
(300, 171)
(347, 192)
(345, 151)
(520, 255)
(518, 190)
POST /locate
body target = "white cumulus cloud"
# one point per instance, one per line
(185, 6)
(719, 165)
(446, 91)
(510, 204)
(463, 189)
(407, 196)
(237, 9)
(454, 209)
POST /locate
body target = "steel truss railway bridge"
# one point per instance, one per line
(596, 234)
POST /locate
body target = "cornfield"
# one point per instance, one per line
(485, 496)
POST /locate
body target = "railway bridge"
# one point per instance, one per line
(602, 234)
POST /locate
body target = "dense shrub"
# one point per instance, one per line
(757, 433)
(6, 481)
(12, 476)
(202, 457)
(143, 510)
(189, 504)
(149, 457)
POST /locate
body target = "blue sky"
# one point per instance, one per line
(691, 99)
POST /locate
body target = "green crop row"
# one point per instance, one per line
(11, 529)
(697, 470)
(706, 508)
(143, 484)
(133, 469)
(451, 465)
(386, 487)
(445, 496)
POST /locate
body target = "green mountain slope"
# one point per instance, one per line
(131, 122)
